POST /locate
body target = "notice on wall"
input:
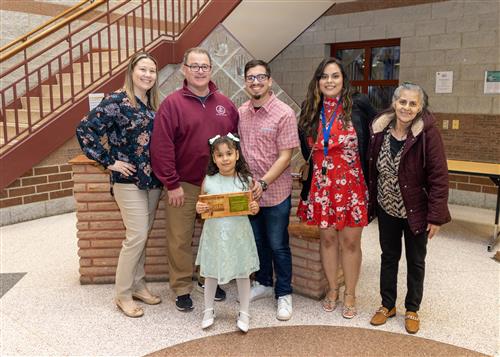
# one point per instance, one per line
(444, 82)
(491, 82)
(95, 99)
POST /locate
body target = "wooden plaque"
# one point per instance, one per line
(227, 204)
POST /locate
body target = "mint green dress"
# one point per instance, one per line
(227, 247)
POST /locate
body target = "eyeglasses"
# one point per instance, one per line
(197, 67)
(258, 77)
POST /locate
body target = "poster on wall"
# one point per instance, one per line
(491, 82)
(95, 99)
(444, 82)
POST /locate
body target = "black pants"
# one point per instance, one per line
(390, 231)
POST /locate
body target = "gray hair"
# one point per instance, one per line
(197, 50)
(413, 87)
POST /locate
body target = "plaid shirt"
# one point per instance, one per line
(263, 134)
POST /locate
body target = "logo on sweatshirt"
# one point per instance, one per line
(220, 110)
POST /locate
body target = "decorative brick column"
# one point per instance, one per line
(100, 232)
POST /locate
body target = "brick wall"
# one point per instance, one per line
(39, 184)
(100, 232)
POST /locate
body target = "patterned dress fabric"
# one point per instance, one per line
(227, 247)
(338, 199)
(127, 131)
(388, 192)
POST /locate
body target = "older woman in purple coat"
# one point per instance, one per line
(408, 187)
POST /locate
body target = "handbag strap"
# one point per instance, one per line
(310, 154)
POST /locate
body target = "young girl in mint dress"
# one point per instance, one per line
(227, 248)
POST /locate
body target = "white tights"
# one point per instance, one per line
(243, 293)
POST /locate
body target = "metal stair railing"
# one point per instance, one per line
(53, 69)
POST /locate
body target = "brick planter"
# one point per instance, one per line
(100, 232)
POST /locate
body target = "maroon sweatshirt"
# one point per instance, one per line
(182, 126)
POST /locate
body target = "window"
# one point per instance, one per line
(380, 78)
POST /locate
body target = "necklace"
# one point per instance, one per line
(398, 136)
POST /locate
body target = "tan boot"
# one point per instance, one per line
(412, 322)
(381, 316)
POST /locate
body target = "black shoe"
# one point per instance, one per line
(219, 293)
(184, 303)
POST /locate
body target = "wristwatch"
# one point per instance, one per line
(263, 184)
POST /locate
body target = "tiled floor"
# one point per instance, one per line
(48, 312)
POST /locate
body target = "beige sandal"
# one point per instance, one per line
(349, 311)
(129, 308)
(328, 303)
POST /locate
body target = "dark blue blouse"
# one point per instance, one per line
(115, 130)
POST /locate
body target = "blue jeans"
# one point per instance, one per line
(270, 228)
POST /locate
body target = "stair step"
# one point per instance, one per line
(77, 68)
(104, 59)
(56, 90)
(65, 78)
(11, 129)
(35, 104)
(22, 116)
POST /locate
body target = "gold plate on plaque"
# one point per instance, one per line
(227, 204)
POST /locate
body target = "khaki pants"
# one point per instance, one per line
(138, 208)
(180, 227)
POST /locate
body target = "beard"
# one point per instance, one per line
(257, 96)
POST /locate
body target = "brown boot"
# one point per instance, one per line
(381, 315)
(412, 322)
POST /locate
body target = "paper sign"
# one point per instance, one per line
(95, 99)
(444, 82)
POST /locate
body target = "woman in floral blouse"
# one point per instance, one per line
(124, 120)
(334, 135)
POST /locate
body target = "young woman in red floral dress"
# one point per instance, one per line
(334, 135)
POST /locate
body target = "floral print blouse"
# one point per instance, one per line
(116, 130)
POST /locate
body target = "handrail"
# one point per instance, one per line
(44, 25)
(37, 87)
(51, 30)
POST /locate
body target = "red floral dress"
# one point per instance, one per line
(338, 199)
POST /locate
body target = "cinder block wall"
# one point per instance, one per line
(460, 36)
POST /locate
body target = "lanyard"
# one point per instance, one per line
(327, 129)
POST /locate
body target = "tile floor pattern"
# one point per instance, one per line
(49, 313)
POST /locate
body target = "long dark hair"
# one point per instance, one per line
(241, 168)
(311, 108)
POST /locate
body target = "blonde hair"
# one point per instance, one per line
(152, 93)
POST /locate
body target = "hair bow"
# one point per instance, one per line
(211, 140)
(232, 137)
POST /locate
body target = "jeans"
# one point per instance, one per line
(270, 228)
(390, 231)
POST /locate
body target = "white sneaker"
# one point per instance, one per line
(259, 291)
(284, 311)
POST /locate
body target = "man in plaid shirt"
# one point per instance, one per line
(268, 131)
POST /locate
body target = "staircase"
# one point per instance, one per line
(44, 93)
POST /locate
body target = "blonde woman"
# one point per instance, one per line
(125, 119)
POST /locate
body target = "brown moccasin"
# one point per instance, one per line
(412, 322)
(381, 315)
(145, 296)
(129, 308)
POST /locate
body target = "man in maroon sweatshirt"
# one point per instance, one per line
(185, 121)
